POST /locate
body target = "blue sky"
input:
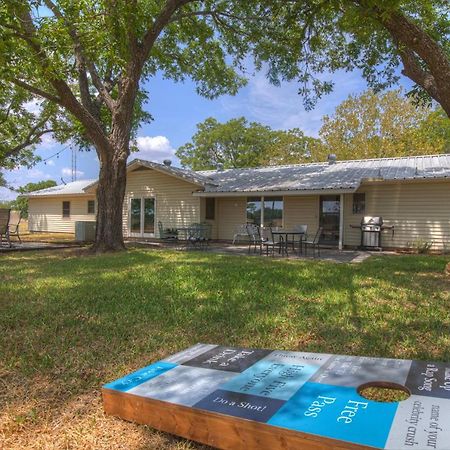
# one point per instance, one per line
(177, 108)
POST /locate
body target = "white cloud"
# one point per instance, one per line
(50, 162)
(68, 172)
(153, 148)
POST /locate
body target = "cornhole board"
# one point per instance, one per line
(242, 398)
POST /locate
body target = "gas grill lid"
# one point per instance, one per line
(372, 220)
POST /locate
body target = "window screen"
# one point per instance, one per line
(66, 209)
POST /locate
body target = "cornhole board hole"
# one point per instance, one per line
(241, 398)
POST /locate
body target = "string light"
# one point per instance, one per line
(56, 154)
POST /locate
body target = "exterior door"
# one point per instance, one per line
(330, 207)
(142, 217)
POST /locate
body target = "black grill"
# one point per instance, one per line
(371, 228)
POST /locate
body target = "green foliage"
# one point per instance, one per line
(384, 125)
(238, 143)
(420, 246)
(21, 202)
(72, 43)
(328, 36)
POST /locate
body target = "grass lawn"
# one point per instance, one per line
(71, 322)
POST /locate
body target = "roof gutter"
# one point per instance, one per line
(283, 193)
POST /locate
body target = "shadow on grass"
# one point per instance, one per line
(78, 322)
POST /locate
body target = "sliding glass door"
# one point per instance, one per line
(142, 217)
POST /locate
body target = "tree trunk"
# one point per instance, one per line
(110, 196)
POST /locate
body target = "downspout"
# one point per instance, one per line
(341, 222)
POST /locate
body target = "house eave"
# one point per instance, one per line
(285, 193)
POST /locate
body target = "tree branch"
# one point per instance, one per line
(158, 25)
(82, 63)
(67, 98)
(414, 44)
(413, 70)
(36, 91)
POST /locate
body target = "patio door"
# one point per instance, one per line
(330, 207)
(142, 217)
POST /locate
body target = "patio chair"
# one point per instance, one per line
(199, 235)
(239, 231)
(14, 222)
(4, 226)
(314, 243)
(269, 242)
(302, 229)
(165, 233)
(254, 238)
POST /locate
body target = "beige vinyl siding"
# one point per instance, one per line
(301, 210)
(418, 210)
(231, 213)
(45, 213)
(175, 204)
(297, 210)
(214, 223)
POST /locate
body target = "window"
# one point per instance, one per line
(273, 211)
(91, 207)
(359, 203)
(254, 210)
(265, 211)
(66, 209)
(210, 209)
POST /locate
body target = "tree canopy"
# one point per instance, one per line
(90, 65)
(378, 37)
(369, 125)
(238, 143)
(384, 125)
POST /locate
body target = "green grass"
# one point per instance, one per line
(80, 321)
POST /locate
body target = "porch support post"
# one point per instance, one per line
(341, 222)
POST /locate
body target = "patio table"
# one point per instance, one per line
(284, 239)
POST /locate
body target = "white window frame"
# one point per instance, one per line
(141, 232)
(262, 197)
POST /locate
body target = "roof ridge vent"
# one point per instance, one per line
(332, 158)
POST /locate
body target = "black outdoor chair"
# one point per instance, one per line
(165, 233)
(269, 242)
(314, 243)
(14, 223)
(254, 238)
(199, 235)
(4, 226)
(302, 229)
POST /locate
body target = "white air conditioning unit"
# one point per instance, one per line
(84, 231)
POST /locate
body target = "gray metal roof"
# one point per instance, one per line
(188, 175)
(73, 188)
(342, 175)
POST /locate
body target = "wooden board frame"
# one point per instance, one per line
(240, 398)
(216, 430)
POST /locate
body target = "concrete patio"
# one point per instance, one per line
(28, 246)
(326, 254)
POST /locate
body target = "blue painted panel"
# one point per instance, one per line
(337, 412)
(271, 379)
(142, 375)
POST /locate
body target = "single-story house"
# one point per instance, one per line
(411, 193)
